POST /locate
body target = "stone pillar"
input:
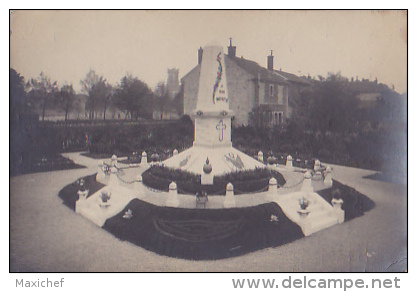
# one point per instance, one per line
(272, 188)
(317, 173)
(138, 178)
(144, 160)
(114, 180)
(138, 181)
(317, 165)
(229, 200)
(175, 152)
(307, 186)
(100, 176)
(288, 165)
(328, 181)
(138, 186)
(173, 199)
(260, 156)
(82, 194)
(337, 210)
(113, 162)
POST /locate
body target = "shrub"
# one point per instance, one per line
(248, 181)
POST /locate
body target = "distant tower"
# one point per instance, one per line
(173, 84)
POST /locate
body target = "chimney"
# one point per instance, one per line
(200, 55)
(270, 62)
(231, 50)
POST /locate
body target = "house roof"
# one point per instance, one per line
(197, 67)
(261, 73)
(257, 71)
(293, 78)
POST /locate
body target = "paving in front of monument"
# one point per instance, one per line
(47, 236)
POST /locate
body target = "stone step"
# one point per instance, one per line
(317, 214)
(320, 223)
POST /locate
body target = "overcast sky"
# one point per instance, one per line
(66, 44)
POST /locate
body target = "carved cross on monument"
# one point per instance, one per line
(221, 127)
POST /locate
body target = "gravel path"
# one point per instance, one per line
(47, 236)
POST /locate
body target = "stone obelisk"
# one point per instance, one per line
(212, 114)
(213, 126)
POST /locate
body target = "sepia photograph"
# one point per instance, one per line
(208, 141)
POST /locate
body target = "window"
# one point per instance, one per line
(276, 118)
(271, 90)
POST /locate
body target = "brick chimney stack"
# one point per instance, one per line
(231, 50)
(270, 62)
(200, 55)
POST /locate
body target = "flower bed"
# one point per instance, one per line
(69, 193)
(203, 234)
(354, 203)
(249, 181)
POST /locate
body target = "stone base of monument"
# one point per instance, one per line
(223, 159)
(318, 215)
(94, 209)
(207, 179)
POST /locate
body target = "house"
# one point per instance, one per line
(257, 95)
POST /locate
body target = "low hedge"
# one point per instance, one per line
(248, 181)
(69, 193)
(355, 204)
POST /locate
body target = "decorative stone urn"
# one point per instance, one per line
(207, 176)
(104, 199)
(304, 203)
(303, 213)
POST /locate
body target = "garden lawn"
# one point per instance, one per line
(44, 163)
(203, 234)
